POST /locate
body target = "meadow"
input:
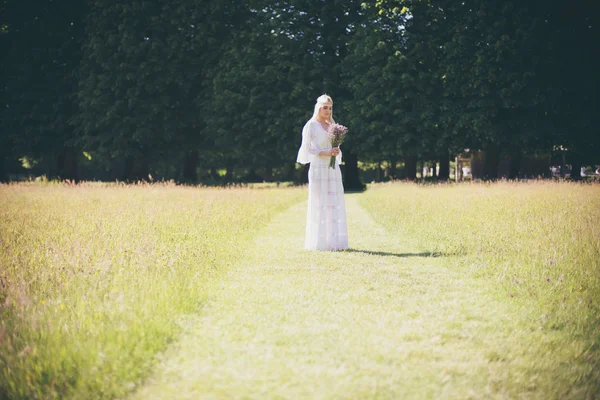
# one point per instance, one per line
(537, 240)
(536, 245)
(95, 280)
(494, 289)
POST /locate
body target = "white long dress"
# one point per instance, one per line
(326, 227)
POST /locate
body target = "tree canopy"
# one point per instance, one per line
(183, 89)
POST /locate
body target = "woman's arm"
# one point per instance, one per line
(330, 153)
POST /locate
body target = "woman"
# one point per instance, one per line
(326, 216)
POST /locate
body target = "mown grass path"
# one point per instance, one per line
(382, 320)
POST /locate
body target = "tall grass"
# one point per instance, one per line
(94, 280)
(539, 243)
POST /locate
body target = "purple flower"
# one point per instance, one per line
(337, 133)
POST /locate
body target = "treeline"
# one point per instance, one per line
(187, 89)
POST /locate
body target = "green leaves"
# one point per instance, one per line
(150, 81)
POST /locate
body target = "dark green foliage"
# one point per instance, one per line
(40, 47)
(145, 84)
(175, 89)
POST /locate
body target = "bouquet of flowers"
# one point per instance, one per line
(337, 133)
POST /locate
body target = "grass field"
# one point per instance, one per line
(448, 291)
(95, 280)
(536, 246)
(537, 240)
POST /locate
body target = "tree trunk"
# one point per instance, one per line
(252, 176)
(576, 165)
(229, 173)
(304, 173)
(351, 176)
(490, 164)
(214, 174)
(563, 166)
(410, 167)
(444, 174)
(128, 169)
(393, 162)
(66, 164)
(290, 172)
(268, 173)
(378, 176)
(142, 169)
(515, 165)
(190, 165)
(3, 168)
(71, 165)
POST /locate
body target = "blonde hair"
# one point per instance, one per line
(321, 101)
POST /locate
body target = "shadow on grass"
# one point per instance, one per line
(401, 255)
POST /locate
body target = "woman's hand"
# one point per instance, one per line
(330, 153)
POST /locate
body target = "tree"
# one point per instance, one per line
(146, 83)
(289, 54)
(570, 70)
(41, 48)
(167, 88)
(259, 90)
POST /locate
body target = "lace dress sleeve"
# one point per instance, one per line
(307, 151)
